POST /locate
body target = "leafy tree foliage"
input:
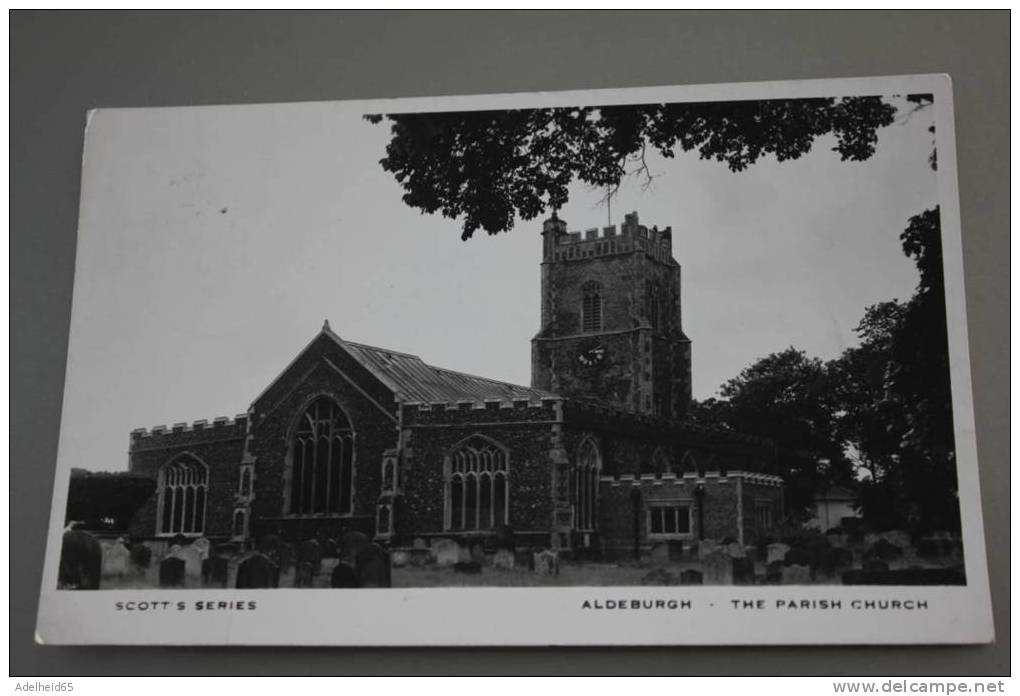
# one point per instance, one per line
(106, 500)
(786, 397)
(489, 167)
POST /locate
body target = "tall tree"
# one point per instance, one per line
(786, 397)
(490, 167)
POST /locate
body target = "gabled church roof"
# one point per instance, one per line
(412, 379)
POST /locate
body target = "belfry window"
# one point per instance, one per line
(476, 486)
(322, 461)
(586, 485)
(591, 307)
(182, 494)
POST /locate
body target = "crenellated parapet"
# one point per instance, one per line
(221, 428)
(596, 242)
(546, 409)
(691, 478)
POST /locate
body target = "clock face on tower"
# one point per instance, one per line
(591, 357)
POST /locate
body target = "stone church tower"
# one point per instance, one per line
(611, 327)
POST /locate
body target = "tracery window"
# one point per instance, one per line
(322, 461)
(476, 486)
(586, 485)
(182, 496)
(591, 307)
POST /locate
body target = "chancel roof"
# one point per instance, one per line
(414, 380)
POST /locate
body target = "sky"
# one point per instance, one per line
(214, 241)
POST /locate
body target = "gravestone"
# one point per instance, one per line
(464, 553)
(419, 543)
(503, 558)
(330, 549)
(116, 558)
(883, 550)
(743, 571)
(796, 575)
(717, 569)
(468, 568)
(735, 549)
(897, 538)
(547, 563)
(303, 575)
(477, 552)
(202, 546)
(400, 558)
(257, 572)
(215, 571)
(192, 558)
(171, 572)
(81, 561)
(776, 552)
(350, 545)
(658, 576)
(660, 553)
(774, 573)
(373, 567)
(309, 552)
(690, 577)
(420, 557)
(344, 576)
(446, 552)
(141, 556)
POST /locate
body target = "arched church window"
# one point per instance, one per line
(477, 474)
(239, 524)
(183, 485)
(688, 464)
(322, 461)
(246, 481)
(591, 307)
(587, 470)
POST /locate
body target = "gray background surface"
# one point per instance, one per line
(63, 64)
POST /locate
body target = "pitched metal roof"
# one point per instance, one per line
(412, 379)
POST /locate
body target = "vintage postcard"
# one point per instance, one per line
(677, 365)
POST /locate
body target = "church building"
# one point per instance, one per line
(596, 456)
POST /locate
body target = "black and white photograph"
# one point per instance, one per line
(631, 354)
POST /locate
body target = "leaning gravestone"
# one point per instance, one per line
(796, 574)
(141, 556)
(446, 552)
(171, 572)
(308, 552)
(115, 559)
(373, 566)
(735, 549)
(81, 561)
(776, 552)
(503, 558)
(717, 568)
(344, 576)
(690, 577)
(257, 572)
(547, 563)
(350, 545)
